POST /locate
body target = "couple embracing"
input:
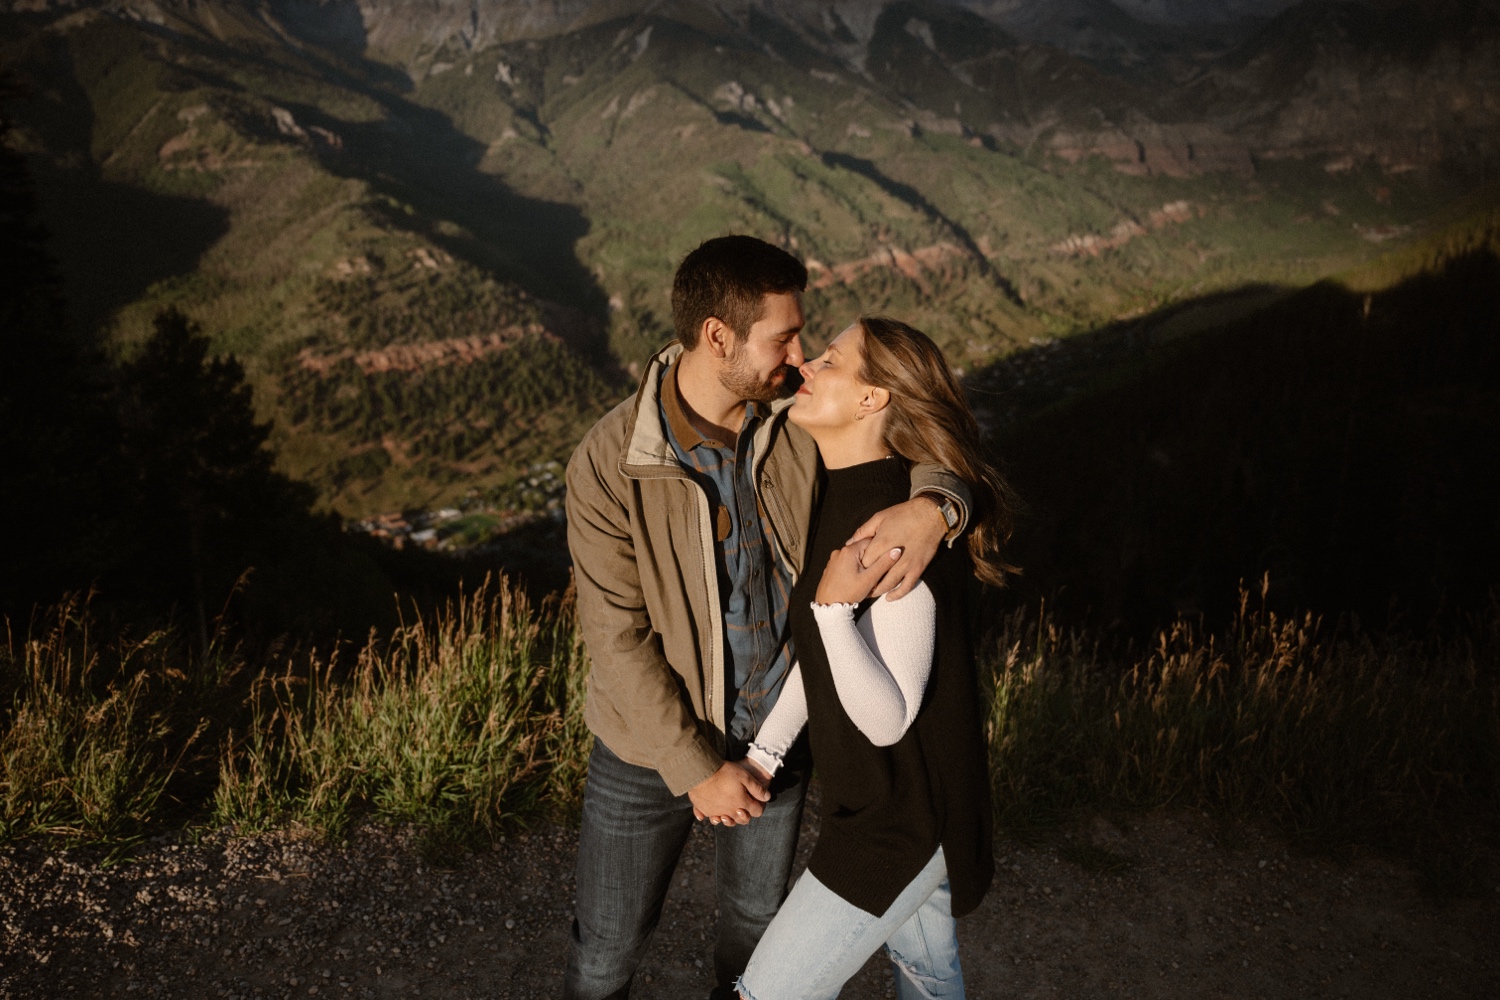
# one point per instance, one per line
(763, 582)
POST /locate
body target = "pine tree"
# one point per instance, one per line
(207, 500)
(57, 433)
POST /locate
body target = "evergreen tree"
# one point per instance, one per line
(207, 501)
(208, 510)
(57, 434)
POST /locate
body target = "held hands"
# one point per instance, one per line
(744, 818)
(845, 580)
(913, 530)
(732, 795)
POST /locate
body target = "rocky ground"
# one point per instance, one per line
(1155, 906)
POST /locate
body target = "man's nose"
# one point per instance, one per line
(794, 355)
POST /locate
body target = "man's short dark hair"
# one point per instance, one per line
(729, 278)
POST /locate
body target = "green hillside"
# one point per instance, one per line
(438, 266)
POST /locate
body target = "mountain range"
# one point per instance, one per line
(439, 236)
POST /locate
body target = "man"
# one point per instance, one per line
(688, 509)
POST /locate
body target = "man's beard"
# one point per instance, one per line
(739, 378)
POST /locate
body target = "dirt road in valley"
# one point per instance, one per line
(1163, 905)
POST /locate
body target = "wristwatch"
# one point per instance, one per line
(946, 507)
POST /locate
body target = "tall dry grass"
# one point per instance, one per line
(471, 719)
(92, 734)
(1339, 737)
(460, 723)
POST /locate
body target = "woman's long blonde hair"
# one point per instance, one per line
(929, 420)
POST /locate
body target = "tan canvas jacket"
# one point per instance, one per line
(641, 536)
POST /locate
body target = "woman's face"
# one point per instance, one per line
(832, 393)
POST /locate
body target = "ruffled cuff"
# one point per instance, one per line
(767, 760)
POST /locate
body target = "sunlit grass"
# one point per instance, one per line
(92, 734)
(461, 723)
(469, 721)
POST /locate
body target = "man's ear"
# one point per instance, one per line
(715, 334)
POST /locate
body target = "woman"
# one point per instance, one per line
(887, 689)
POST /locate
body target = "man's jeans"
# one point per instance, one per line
(634, 830)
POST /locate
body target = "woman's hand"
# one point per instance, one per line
(739, 817)
(756, 771)
(846, 581)
(916, 528)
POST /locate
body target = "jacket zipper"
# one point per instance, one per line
(768, 496)
(712, 696)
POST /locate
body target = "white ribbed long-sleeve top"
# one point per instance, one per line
(880, 664)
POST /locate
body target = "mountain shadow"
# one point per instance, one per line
(419, 158)
(428, 168)
(1341, 443)
(150, 236)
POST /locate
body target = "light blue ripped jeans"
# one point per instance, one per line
(817, 941)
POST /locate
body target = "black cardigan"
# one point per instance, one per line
(886, 809)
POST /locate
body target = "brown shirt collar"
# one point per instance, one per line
(683, 428)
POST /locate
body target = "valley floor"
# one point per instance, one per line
(1160, 905)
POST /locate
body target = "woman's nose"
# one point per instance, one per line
(806, 369)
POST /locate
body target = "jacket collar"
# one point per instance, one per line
(646, 446)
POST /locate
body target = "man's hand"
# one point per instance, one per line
(845, 580)
(757, 773)
(916, 528)
(731, 795)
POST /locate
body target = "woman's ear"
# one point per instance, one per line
(873, 401)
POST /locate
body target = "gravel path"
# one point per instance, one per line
(1156, 908)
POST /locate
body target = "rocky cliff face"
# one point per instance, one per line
(396, 27)
(1181, 12)
(1154, 86)
(405, 29)
(1407, 85)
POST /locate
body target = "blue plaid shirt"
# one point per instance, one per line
(755, 585)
